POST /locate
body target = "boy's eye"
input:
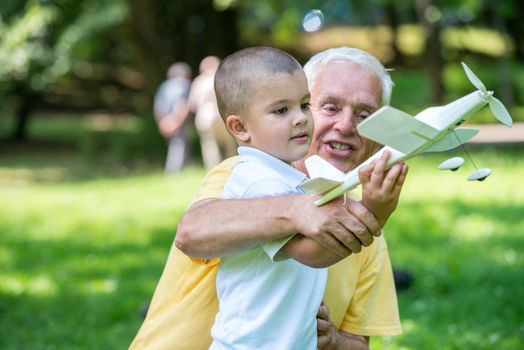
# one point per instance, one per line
(305, 105)
(280, 110)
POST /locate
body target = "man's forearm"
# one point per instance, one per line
(218, 227)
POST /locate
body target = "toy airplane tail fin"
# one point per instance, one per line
(318, 167)
(497, 108)
(319, 185)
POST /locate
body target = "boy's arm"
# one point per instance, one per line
(381, 191)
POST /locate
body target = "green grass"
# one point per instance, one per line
(79, 257)
(463, 241)
(84, 236)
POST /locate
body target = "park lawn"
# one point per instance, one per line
(463, 241)
(79, 257)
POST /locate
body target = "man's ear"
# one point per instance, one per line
(237, 127)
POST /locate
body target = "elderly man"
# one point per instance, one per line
(346, 86)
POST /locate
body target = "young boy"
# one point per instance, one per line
(268, 296)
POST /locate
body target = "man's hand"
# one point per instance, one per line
(326, 330)
(341, 229)
(381, 188)
(331, 338)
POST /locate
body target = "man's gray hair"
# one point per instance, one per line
(354, 55)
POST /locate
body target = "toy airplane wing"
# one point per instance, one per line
(454, 139)
(396, 129)
(324, 176)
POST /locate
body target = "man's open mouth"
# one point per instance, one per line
(339, 146)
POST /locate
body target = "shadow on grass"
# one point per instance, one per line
(48, 161)
(468, 267)
(79, 293)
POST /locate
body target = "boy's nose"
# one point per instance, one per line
(300, 119)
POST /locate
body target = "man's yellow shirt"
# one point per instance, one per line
(360, 292)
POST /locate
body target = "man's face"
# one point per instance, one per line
(342, 96)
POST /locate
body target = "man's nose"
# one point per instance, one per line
(346, 122)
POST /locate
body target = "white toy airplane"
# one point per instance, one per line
(432, 130)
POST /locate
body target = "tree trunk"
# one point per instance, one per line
(393, 21)
(195, 29)
(433, 53)
(504, 65)
(147, 44)
(515, 28)
(22, 114)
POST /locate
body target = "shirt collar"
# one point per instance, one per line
(295, 176)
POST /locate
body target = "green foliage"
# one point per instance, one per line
(38, 44)
(22, 45)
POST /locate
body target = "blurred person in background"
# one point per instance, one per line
(171, 112)
(215, 142)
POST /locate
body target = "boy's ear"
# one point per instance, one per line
(237, 127)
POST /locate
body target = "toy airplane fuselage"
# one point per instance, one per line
(435, 129)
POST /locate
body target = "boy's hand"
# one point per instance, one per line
(381, 188)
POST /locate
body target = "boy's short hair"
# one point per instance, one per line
(236, 74)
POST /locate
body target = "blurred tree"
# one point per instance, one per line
(162, 32)
(429, 17)
(498, 16)
(39, 45)
(95, 54)
(511, 13)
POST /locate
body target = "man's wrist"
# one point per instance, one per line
(289, 213)
(348, 341)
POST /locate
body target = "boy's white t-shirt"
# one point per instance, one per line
(263, 303)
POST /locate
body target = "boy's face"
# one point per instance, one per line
(277, 115)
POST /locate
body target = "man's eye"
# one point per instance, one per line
(330, 109)
(362, 116)
(280, 110)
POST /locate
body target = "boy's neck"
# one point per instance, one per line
(300, 165)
